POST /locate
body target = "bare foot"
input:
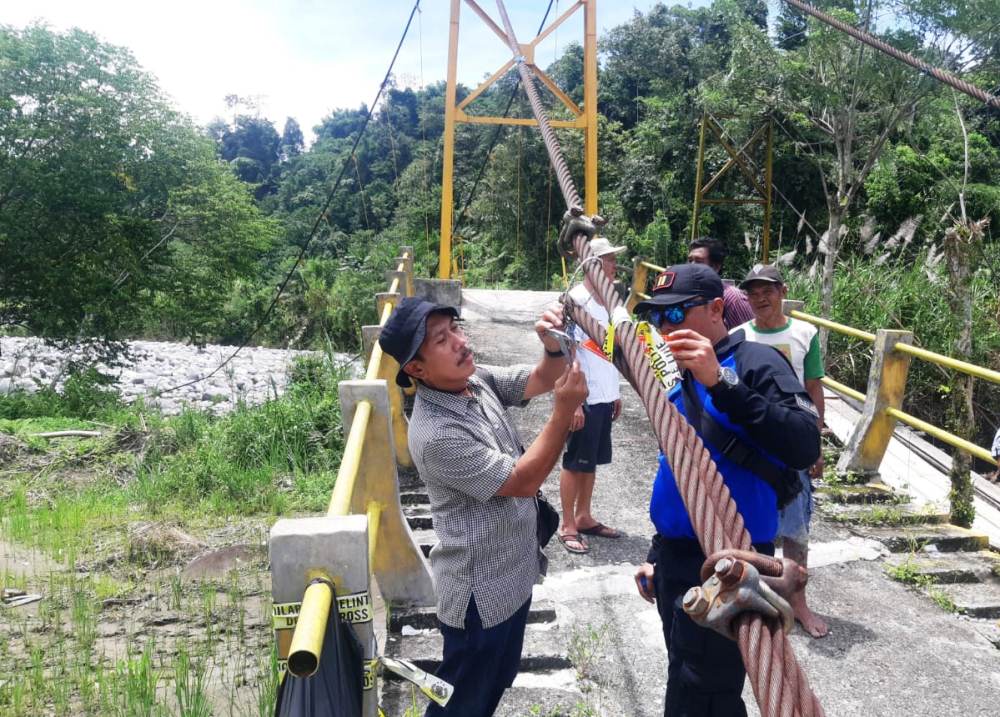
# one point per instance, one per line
(810, 621)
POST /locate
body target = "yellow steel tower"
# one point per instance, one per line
(586, 117)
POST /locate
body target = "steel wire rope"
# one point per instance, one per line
(316, 224)
(779, 684)
(881, 45)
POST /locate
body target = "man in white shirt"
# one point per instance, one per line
(799, 343)
(589, 443)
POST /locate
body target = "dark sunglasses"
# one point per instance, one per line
(674, 314)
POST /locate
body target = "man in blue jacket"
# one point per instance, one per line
(759, 425)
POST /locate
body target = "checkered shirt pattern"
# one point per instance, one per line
(465, 447)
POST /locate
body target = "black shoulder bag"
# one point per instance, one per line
(548, 519)
(784, 481)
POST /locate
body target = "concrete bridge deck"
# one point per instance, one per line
(891, 650)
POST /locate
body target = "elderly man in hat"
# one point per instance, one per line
(589, 443)
(798, 341)
(759, 425)
(482, 485)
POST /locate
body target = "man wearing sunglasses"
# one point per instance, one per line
(759, 425)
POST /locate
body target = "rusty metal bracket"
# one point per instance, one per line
(576, 222)
(735, 587)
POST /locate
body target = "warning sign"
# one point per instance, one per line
(659, 356)
(356, 608)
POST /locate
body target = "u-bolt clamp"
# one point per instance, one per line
(576, 222)
(735, 587)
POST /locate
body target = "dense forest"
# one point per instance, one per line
(119, 217)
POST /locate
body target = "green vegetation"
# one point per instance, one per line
(105, 523)
(908, 573)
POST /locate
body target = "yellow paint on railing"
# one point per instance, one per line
(343, 489)
(942, 435)
(949, 362)
(374, 516)
(307, 640)
(841, 388)
(834, 326)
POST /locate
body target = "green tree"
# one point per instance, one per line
(107, 196)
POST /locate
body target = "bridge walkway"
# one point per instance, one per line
(891, 650)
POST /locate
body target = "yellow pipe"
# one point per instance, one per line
(448, 159)
(948, 362)
(841, 388)
(654, 267)
(942, 435)
(374, 516)
(834, 326)
(343, 490)
(307, 640)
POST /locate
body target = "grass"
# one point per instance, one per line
(119, 630)
(908, 573)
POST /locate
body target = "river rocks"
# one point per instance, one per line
(253, 376)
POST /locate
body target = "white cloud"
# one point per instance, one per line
(302, 58)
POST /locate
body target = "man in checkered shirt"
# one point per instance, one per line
(481, 483)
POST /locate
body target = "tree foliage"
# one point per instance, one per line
(108, 197)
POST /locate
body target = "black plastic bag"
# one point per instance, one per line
(336, 689)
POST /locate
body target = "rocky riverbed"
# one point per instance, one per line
(253, 376)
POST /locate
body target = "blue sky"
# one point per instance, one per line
(303, 58)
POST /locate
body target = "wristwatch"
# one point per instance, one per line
(728, 380)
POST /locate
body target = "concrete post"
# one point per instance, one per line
(790, 305)
(384, 297)
(865, 448)
(403, 281)
(335, 548)
(447, 292)
(407, 259)
(369, 337)
(388, 367)
(403, 574)
(640, 279)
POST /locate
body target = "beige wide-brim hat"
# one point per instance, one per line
(599, 246)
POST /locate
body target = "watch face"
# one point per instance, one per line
(728, 376)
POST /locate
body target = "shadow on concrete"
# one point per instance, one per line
(844, 635)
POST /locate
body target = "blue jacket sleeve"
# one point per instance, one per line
(772, 406)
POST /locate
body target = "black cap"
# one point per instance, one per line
(763, 272)
(405, 330)
(680, 283)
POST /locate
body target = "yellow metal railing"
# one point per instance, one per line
(640, 280)
(307, 640)
(930, 356)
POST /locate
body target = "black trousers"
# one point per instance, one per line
(705, 674)
(480, 663)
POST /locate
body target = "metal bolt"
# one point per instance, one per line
(695, 602)
(729, 571)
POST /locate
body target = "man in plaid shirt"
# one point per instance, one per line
(482, 484)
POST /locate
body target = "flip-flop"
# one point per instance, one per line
(601, 531)
(567, 538)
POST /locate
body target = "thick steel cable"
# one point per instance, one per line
(563, 175)
(779, 684)
(883, 46)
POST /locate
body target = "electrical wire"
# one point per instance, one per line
(316, 224)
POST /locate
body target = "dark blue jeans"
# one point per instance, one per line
(705, 673)
(479, 663)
